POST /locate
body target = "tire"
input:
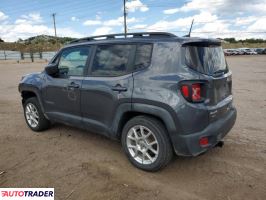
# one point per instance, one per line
(135, 149)
(42, 123)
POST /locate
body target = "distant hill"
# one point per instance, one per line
(46, 39)
(36, 44)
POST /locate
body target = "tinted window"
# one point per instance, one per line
(73, 61)
(143, 56)
(208, 60)
(111, 60)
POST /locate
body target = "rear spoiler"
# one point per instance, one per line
(201, 43)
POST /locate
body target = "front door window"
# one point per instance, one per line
(73, 61)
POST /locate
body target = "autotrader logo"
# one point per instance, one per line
(26, 193)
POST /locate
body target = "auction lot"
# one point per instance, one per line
(82, 165)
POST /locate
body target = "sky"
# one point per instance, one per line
(80, 18)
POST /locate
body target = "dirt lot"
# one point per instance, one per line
(82, 165)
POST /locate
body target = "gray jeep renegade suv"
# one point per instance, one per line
(155, 92)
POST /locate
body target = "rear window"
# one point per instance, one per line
(207, 59)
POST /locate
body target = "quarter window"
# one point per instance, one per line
(111, 60)
(73, 61)
(143, 56)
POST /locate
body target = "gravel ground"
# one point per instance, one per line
(81, 165)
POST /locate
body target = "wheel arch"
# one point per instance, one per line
(27, 94)
(28, 91)
(159, 113)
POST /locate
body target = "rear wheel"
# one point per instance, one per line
(34, 116)
(146, 143)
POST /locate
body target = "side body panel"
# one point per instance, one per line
(100, 102)
(61, 100)
(158, 85)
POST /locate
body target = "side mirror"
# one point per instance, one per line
(51, 69)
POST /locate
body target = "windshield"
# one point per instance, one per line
(206, 59)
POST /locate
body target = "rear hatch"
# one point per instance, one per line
(207, 58)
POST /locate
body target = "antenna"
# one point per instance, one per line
(191, 28)
(188, 35)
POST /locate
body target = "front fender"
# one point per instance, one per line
(33, 83)
(32, 88)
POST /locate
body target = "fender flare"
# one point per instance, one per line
(169, 118)
(31, 88)
(165, 114)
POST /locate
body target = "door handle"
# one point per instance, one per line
(119, 88)
(73, 85)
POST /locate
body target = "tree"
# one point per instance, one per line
(1, 40)
(230, 40)
(20, 40)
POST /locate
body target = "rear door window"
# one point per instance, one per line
(111, 60)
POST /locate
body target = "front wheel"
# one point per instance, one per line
(146, 143)
(34, 116)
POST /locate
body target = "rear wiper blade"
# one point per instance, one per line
(219, 72)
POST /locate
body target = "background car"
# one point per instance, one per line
(230, 52)
(260, 50)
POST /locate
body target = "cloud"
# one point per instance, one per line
(225, 6)
(92, 22)
(171, 11)
(119, 21)
(112, 22)
(258, 25)
(74, 19)
(240, 21)
(139, 26)
(223, 18)
(108, 25)
(102, 30)
(164, 25)
(136, 5)
(31, 18)
(66, 32)
(31, 25)
(3, 16)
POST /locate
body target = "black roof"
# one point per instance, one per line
(125, 36)
(138, 37)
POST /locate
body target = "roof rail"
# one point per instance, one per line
(122, 35)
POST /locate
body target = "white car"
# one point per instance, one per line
(248, 51)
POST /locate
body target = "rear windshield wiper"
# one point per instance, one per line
(219, 72)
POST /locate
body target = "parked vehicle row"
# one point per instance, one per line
(244, 51)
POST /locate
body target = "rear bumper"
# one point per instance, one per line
(188, 145)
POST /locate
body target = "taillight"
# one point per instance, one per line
(196, 92)
(193, 91)
(204, 141)
(185, 91)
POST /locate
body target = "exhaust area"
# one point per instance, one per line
(220, 144)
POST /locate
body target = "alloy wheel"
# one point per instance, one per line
(142, 144)
(32, 115)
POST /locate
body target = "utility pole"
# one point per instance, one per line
(54, 24)
(125, 19)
